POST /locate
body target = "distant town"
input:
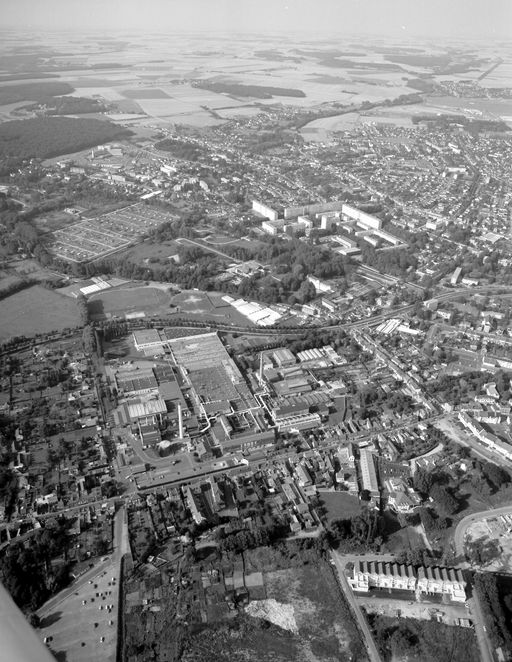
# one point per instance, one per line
(255, 366)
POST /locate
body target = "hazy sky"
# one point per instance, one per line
(443, 18)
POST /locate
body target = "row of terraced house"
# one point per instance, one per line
(430, 581)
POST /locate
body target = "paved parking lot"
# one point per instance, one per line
(386, 606)
(84, 624)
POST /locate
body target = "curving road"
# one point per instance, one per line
(463, 525)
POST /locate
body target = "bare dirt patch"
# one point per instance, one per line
(323, 627)
(271, 610)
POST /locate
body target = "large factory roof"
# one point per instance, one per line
(148, 407)
(198, 352)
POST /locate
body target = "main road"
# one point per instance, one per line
(341, 326)
(339, 562)
(187, 469)
(485, 646)
(460, 436)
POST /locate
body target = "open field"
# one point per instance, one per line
(117, 302)
(303, 619)
(36, 310)
(149, 251)
(320, 616)
(185, 103)
(318, 130)
(177, 111)
(198, 97)
(339, 505)
(146, 93)
(153, 300)
(501, 76)
(470, 107)
(240, 111)
(221, 240)
(108, 93)
(397, 115)
(155, 67)
(208, 306)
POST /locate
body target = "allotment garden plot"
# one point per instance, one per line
(98, 237)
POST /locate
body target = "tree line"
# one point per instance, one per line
(497, 610)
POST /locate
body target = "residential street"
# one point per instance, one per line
(340, 561)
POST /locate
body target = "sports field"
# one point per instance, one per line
(36, 310)
(117, 302)
(153, 300)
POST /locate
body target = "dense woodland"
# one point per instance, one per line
(458, 389)
(257, 91)
(66, 106)
(33, 91)
(422, 641)
(181, 149)
(451, 491)
(497, 609)
(46, 137)
(357, 534)
(28, 572)
(7, 78)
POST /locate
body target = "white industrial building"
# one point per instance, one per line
(255, 312)
(320, 285)
(98, 285)
(147, 339)
(368, 474)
